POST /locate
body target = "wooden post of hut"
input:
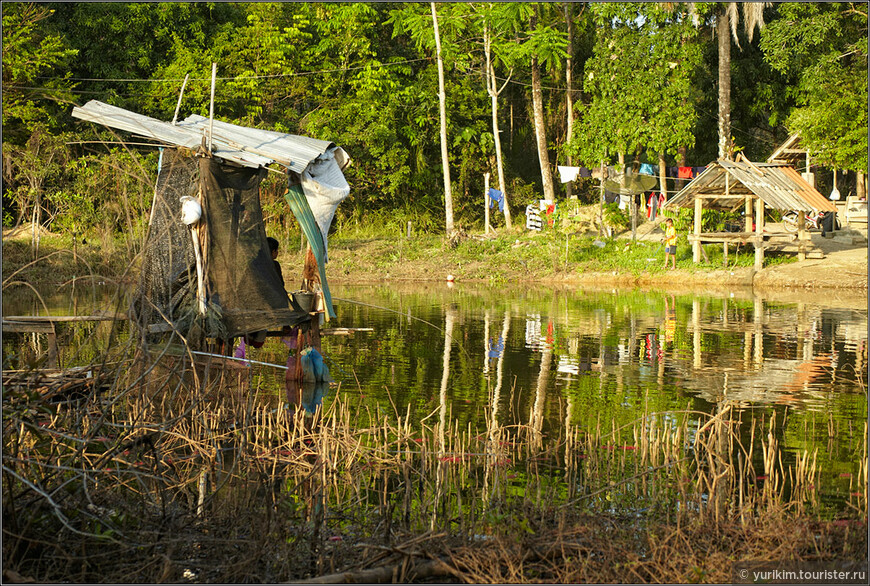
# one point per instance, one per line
(802, 235)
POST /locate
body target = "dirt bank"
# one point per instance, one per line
(842, 272)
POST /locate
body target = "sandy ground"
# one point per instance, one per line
(841, 275)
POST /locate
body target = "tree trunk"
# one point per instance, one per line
(663, 179)
(681, 162)
(569, 80)
(860, 185)
(723, 36)
(442, 101)
(540, 128)
(496, 133)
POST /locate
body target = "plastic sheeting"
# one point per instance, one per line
(325, 187)
(298, 203)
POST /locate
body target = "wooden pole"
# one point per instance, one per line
(633, 208)
(759, 229)
(180, 94)
(211, 106)
(696, 245)
(747, 213)
(200, 282)
(601, 203)
(802, 235)
(486, 203)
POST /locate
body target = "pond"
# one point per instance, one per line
(549, 360)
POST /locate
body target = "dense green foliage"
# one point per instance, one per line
(825, 46)
(364, 76)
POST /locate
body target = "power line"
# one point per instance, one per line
(271, 76)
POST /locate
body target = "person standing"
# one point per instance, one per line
(273, 250)
(670, 243)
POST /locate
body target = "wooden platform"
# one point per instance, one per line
(44, 324)
(769, 241)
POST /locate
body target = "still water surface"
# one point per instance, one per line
(553, 358)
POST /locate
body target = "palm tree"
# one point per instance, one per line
(727, 17)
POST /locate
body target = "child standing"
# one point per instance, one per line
(670, 243)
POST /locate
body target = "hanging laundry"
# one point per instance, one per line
(624, 201)
(533, 217)
(684, 173)
(698, 170)
(673, 172)
(496, 197)
(662, 199)
(585, 172)
(647, 169)
(551, 214)
(652, 206)
(568, 174)
(241, 351)
(610, 196)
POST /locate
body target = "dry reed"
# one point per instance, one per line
(180, 470)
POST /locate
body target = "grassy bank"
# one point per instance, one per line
(60, 258)
(517, 255)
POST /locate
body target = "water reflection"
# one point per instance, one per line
(549, 360)
(592, 358)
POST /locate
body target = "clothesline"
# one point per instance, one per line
(568, 174)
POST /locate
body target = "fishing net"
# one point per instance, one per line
(243, 291)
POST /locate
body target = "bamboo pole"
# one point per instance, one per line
(180, 94)
(211, 106)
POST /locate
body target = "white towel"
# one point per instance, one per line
(568, 174)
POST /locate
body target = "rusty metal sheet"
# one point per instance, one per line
(779, 185)
(249, 147)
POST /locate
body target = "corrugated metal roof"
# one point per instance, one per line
(778, 185)
(790, 152)
(249, 147)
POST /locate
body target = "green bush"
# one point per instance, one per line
(615, 217)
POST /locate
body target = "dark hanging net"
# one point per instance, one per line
(167, 279)
(244, 293)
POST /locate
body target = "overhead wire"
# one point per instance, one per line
(270, 76)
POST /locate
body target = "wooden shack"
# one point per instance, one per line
(751, 187)
(211, 276)
(852, 209)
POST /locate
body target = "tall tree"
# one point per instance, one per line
(640, 80)
(442, 103)
(545, 48)
(569, 82)
(727, 18)
(501, 24)
(35, 76)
